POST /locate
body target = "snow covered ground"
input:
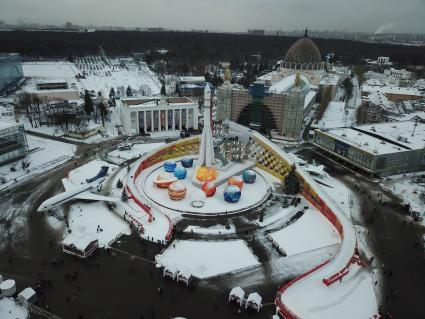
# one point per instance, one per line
(100, 74)
(353, 298)
(84, 218)
(108, 131)
(338, 192)
(409, 191)
(45, 155)
(312, 231)
(277, 213)
(340, 113)
(117, 73)
(136, 151)
(336, 115)
(205, 259)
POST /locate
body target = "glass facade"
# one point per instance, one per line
(351, 153)
(13, 143)
(10, 70)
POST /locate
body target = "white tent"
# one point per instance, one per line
(237, 294)
(27, 296)
(254, 301)
(171, 271)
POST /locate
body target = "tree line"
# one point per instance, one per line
(189, 52)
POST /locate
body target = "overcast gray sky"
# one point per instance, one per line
(224, 15)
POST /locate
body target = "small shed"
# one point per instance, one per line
(170, 272)
(254, 301)
(81, 246)
(237, 295)
(27, 296)
(184, 276)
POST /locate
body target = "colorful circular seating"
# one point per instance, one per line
(232, 194)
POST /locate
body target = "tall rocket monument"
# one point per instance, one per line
(206, 149)
(206, 171)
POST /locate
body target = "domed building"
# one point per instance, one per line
(303, 55)
(278, 101)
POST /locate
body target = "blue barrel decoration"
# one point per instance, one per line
(180, 172)
(187, 162)
(249, 176)
(232, 194)
(170, 166)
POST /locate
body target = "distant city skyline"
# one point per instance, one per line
(222, 15)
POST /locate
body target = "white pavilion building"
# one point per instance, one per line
(144, 115)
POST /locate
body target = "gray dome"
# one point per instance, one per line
(303, 51)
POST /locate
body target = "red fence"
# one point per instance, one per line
(317, 202)
(283, 310)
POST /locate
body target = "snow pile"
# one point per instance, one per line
(213, 230)
(312, 231)
(206, 259)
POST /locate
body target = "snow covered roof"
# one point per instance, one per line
(150, 101)
(192, 79)
(311, 95)
(172, 268)
(80, 241)
(408, 116)
(383, 138)
(238, 292)
(50, 81)
(27, 293)
(7, 124)
(391, 90)
(331, 79)
(286, 83)
(254, 298)
(379, 98)
(185, 272)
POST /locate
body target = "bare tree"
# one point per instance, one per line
(31, 108)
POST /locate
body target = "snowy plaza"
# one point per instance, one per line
(179, 182)
(209, 184)
(141, 184)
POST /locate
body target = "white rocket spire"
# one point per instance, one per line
(206, 150)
